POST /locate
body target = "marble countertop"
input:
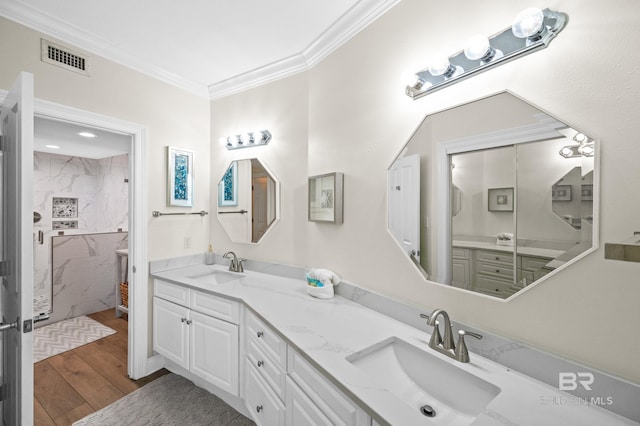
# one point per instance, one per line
(524, 250)
(326, 331)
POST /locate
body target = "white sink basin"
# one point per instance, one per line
(419, 379)
(215, 276)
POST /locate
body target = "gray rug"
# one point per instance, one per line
(169, 400)
(54, 339)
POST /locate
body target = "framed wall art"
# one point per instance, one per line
(561, 193)
(179, 177)
(228, 187)
(500, 199)
(325, 198)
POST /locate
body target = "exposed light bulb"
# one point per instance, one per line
(528, 23)
(245, 138)
(478, 47)
(439, 66)
(257, 136)
(580, 137)
(586, 150)
(566, 152)
(232, 140)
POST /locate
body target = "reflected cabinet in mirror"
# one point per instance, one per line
(494, 196)
(248, 201)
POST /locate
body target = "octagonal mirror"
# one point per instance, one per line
(494, 196)
(248, 201)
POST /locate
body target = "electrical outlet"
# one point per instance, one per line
(187, 242)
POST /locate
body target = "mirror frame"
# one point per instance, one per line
(524, 134)
(277, 204)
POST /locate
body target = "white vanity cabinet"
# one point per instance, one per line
(265, 372)
(198, 332)
(312, 399)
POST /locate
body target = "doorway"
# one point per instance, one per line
(137, 265)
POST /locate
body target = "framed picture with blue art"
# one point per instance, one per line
(179, 177)
(228, 187)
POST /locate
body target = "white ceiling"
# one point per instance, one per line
(209, 47)
(65, 136)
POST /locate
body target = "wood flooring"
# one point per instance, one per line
(76, 383)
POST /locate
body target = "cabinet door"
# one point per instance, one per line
(214, 351)
(460, 276)
(301, 411)
(170, 333)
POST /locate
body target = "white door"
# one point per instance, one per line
(404, 204)
(16, 250)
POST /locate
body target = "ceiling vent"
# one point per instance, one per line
(63, 57)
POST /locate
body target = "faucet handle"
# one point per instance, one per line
(239, 265)
(461, 352)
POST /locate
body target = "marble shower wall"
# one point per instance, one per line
(84, 273)
(102, 193)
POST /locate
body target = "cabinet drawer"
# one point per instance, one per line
(534, 263)
(494, 257)
(265, 407)
(492, 285)
(219, 307)
(326, 396)
(267, 339)
(270, 371)
(494, 269)
(459, 253)
(171, 292)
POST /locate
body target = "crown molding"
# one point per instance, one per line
(348, 25)
(63, 31)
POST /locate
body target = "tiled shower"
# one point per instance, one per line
(82, 205)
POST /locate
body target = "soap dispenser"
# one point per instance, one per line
(209, 256)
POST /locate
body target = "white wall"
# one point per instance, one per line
(171, 116)
(359, 118)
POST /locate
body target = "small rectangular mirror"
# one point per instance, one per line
(325, 198)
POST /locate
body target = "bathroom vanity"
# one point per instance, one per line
(260, 342)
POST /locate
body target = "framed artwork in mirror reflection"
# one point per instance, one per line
(500, 199)
(228, 187)
(179, 177)
(326, 198)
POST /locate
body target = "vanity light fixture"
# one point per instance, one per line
(584, 148)
(247, 140)
(532, 29)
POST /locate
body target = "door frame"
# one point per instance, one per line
(137, 363)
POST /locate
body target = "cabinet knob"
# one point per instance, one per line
(188, 322)
(260, 363)
(497, 258)
(497, 271)
(260, 334)
(259, 408)
(183, 319)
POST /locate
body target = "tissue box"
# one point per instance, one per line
(317, 289)
(504, 239)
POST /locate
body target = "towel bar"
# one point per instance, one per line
(238, 212)
(156, 213)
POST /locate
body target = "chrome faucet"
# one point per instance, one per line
(445, 345)
(236, 264)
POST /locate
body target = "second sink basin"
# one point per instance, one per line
(428, 384)
(215, 276)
